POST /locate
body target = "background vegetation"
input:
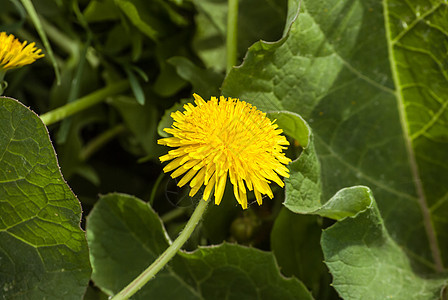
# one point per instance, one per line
(359, 87)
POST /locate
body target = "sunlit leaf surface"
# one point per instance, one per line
(43, 250)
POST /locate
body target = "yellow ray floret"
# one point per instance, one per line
(14, 54)
(226, 138)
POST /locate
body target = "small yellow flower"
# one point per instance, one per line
(229, 136)
(14, 54)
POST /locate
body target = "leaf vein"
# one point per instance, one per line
(414, 23)
(431, 122)
(361, 174)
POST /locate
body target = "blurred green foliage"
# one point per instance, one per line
(359, 87)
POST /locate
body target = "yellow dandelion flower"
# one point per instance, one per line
(226, 137)
(14, 54)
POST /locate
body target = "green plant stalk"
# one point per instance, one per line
(2, 76)
(173, 214)
(96, 97)
(59, 39)
(98, 142)
(232, 33)
(39, 28)
(166, 256)
(152, 197)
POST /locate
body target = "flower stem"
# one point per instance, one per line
(58, 38)
(28, 5)
(96, 97)
(98, 142)
(152, 197)
(232, 33)
(3, 83)
(173, 214)
(165, 257)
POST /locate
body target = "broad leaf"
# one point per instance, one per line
(304, 184)
(125, 236)
(417, 36)
(43, 251)
(386, 130)
(365, 261)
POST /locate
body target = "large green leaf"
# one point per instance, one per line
(365, 261)
(386, 130)
(417, 35)
(304, 184)
(125, 235)
(43, 251)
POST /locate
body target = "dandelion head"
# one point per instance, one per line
(225, 138)
(14, 54)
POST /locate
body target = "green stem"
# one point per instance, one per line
(165, 257)
(28, 5)
(85, 102)
(2, 82)
(152, 197)
(100, 141)
(60, 39)
(232, 33)
(173, 214)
